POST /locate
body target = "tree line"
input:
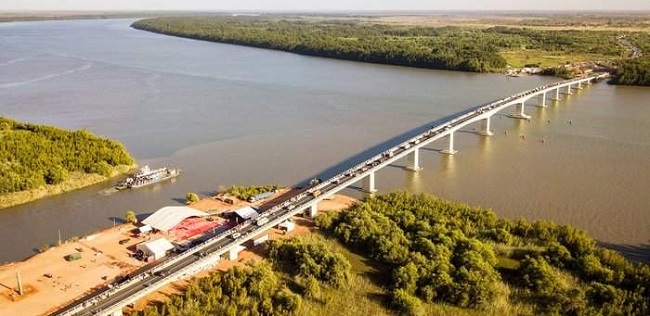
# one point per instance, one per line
(33, 155)
(447, 252)
(449, 47)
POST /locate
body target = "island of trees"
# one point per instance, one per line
(463, 48)
(420, 255)
(39, 160)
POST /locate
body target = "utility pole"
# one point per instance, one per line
(20, 283)
(59, 244)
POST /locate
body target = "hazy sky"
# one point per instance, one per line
(320, 5)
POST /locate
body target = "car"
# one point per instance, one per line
(124, 241)
(235, 235)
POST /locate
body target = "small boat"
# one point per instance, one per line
(147, 176)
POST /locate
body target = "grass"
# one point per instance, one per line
(76, 181)
(520, 58)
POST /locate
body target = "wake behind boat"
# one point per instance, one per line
(147, 176)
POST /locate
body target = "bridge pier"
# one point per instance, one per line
(519, 114)
(450, 150)
(485, 128)
(313, 210)
(413, 161)
(369, 183)
(117, 312)
(542, 102)
(233, 254)
(568, 90)
(579, 85)
(557, 94)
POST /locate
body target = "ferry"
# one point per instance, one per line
(147, 176)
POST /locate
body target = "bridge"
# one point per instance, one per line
(111, 299)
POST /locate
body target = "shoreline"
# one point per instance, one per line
(77, 181)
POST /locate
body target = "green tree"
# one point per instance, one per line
(191, 198)
(130, 217)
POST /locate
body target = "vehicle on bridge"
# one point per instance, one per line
(261, 221)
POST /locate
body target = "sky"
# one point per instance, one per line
(325, 5)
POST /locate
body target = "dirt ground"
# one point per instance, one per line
(50, 282)
(303, 226)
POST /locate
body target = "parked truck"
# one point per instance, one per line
(260, 196)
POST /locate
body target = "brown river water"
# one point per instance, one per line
(229, 115)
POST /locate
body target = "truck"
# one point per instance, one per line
(261, 221)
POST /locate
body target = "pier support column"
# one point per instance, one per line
(369, 183)
(568, 90)
(485, 128)
(313, 210)
(450, 150)
(580, 85)
(413, 161)
(557, 94)
(542, 100)
(117, 312)
(233, 254)
(519, 113)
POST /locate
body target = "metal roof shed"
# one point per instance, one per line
(155, 249)
(246, 213)
(167, 217)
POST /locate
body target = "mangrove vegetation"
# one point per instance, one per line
(34, 156)
(420, 255)
(463, 48)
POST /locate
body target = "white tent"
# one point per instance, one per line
(155, 249)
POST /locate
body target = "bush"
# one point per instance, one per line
(537, 275)
(191, 198)
(406, 303)
(310, 259)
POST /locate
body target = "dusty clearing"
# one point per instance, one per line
(49, 281)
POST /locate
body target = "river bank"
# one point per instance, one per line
(77, 180)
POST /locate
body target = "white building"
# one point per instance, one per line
(155, 249)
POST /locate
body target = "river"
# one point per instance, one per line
(230, 115)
